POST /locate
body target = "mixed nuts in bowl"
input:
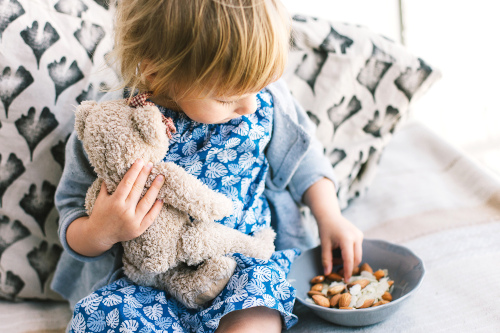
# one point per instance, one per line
(389, 275)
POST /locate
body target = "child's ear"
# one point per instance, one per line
(81, 113)
(147, 70)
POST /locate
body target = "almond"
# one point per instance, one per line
(318, 279)
(310, 293)
(345, 300)
(363, 283)
(346, 308)
(334, 277)
(355, 271)
(366, 267)
(317, 287)
(380, 303)
(335, 290)
(379, 274)
(387, 296)
(390, 282)
(367, 303)
(321, 300)
(335, 300)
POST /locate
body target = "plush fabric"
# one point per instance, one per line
(52, 58)
(357, 86)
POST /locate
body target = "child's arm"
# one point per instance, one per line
(117, 217)
(335, 231)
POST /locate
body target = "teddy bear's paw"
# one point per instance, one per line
(220, 271)
(265, 237)
(221, 206)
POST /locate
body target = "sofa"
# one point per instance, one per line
(398, 181)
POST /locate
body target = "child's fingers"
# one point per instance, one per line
(151, 215)
(149, 199)
(140, 182)
(358, 252)
(123, 189)
(347, 257)
(326, 257)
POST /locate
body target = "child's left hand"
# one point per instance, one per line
(340, 233)
(335, 231)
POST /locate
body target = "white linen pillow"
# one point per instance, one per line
(357, 86)
(52, 58)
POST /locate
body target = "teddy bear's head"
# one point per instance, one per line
(115, 135)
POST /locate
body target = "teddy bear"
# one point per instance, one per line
(184, 251)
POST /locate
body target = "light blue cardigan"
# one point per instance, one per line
(296, 162)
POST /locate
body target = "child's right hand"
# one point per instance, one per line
(117, 217)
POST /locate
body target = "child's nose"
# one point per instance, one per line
(248, 105)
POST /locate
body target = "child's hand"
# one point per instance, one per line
(117, 217)
(336, 232)
(340, 233)
(121, 216)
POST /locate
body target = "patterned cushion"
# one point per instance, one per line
(356, 86)
(51, 59)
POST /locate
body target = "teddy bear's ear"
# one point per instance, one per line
(81, 113)
(148, 122)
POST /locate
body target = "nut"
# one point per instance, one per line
(366, 267)
(335, 300)
(310, 293)
(318, 279)
(390, 282)
(334, 277)
(345, 300)
(346, 308)
(321, 300)
(367, 304)
(387, 296)
(355, 270)
(335, 290)
(379, 274)
(317, 287)
(380, 303)
(362, 282)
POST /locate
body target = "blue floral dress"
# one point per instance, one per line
(229, 158)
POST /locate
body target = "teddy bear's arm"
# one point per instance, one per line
(187, 193)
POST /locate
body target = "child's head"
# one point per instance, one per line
(180, 48)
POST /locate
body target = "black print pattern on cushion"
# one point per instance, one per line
(373, 72)
(58, 151)
(90, 35)
(43, 259)
(12, 85)
(336, 42)
(367, 83)
(411, 80)
(39, 205)
(64, 78)
(311, 66)
(35, 131)
(39, 45)
(11, 232)
(12, 9)
(12, 286)
(52, 58)
(9, 172)
(71, 7)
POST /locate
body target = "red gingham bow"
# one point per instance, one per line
(141, 100)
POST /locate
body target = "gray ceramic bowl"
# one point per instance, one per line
(405, 268)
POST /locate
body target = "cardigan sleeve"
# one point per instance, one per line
(314, 165)
(70, 194)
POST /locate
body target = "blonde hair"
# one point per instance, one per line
(210, 47)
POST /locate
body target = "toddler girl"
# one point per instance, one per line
(212, 66)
